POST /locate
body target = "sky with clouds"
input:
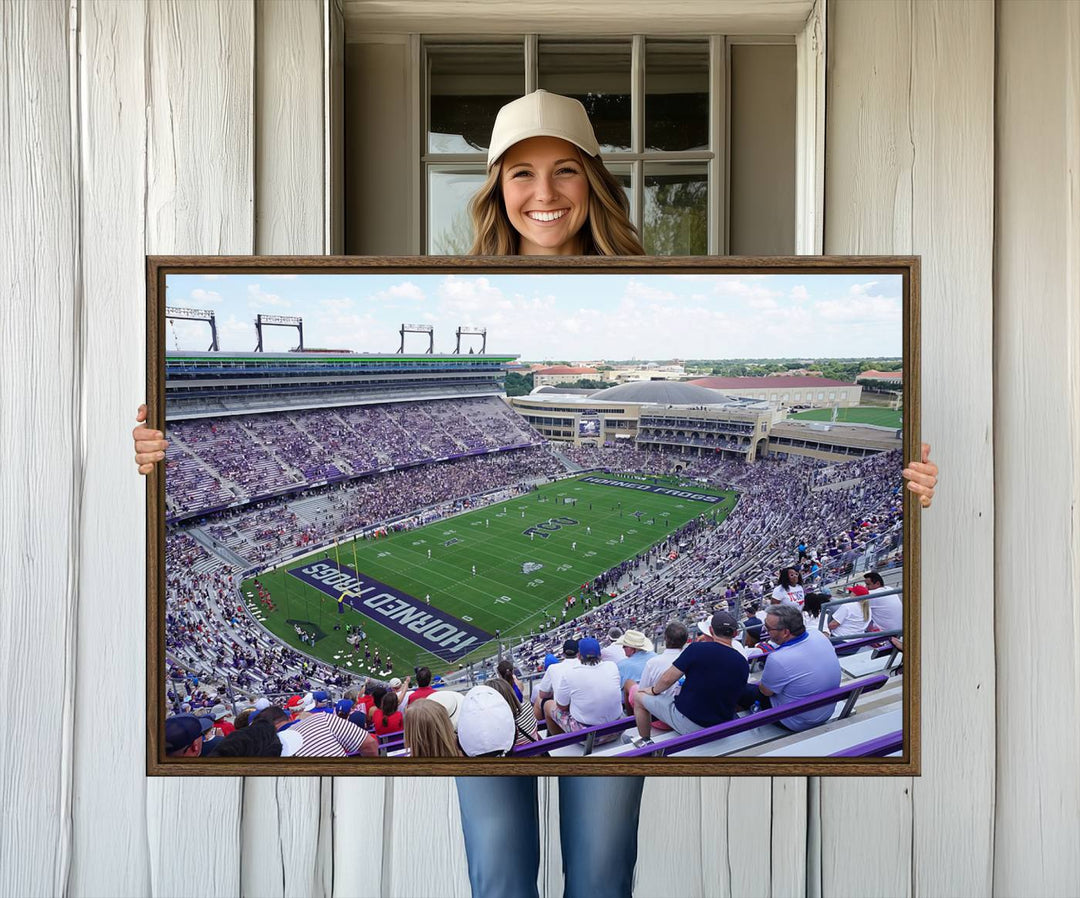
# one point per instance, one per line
(556, 316)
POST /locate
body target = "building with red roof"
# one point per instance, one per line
(893, 377)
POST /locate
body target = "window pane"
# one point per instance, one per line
(676, 209)
(623, 175)
(676, 95)
(449, 191)
(467, 84)
(597, 74)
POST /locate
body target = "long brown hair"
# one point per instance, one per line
(429, 732)
(607, 231)
(506, 691)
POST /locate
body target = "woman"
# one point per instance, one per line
(525, 729)
(548, 193)
(387, 718)
(505, 670)
(429, 732)
(853, 618)
(789, 590)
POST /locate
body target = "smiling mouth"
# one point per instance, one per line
(547, 216)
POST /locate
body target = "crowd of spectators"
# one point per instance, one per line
(213, 462)
(783, 519)
(737, 562)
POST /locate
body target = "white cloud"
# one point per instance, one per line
(647, 292)
(762, 302)
(860, 289)
(257, 297)
(200, 295)
(471, 297)
(868, 310)
(340, 327)
(338, 305)
(799, 292)
(736, 287)
(406, 290)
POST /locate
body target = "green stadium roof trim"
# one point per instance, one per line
(356, 357)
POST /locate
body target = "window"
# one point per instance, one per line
(658, 106)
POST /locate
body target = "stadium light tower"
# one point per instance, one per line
(262, 321)
(476, 332)
(418, 329)
(178, 314)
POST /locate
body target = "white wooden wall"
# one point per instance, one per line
(189, 126)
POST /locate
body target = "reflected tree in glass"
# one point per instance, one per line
(676, 220)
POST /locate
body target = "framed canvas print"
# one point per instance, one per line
(533, 516)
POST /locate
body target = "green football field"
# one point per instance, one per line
(612, 524)
(881, 417)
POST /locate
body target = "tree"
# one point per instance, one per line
(587, 383)
(676, 217)
(518, 384)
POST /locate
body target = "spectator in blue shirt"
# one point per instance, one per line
(638, 649)
(804, 664)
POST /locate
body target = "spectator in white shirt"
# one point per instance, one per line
(854, 617)
(675, 638)
(789, 590)
(588, 695)
(886, 612)
(545, 691)
(613, 651)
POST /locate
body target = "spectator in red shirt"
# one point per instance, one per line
(222, 725)
(423, 687)
(387, 718)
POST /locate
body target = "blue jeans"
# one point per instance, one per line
(598, 822)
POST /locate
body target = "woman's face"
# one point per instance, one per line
(546, 195)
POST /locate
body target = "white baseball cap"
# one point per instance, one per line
(485, 722)
(541, 114)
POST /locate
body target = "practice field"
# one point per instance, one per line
(881, 417)
(529, 554)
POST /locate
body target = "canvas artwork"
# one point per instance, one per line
(444, 516)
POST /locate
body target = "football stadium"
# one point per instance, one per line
(341, 526)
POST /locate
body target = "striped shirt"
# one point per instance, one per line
(525, 725)
(328, 736)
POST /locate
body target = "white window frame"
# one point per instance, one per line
(809, 127)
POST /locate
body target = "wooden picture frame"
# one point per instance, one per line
(863, 270)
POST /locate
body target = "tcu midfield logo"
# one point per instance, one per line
(548, 527)
(530, 567)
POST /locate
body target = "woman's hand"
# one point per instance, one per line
(150, 444)
(922, 477)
